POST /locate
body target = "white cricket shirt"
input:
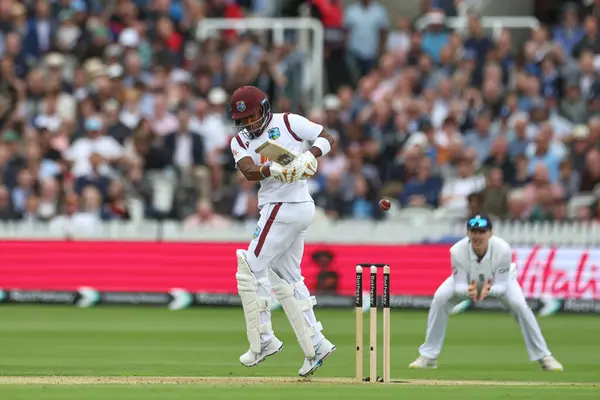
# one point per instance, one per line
(295, 133)
(494, 265)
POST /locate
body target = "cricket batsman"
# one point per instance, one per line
(481, 267)
(272, 260)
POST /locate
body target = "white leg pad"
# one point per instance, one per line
(294, 310)
(252, 303)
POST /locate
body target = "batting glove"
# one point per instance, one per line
(287, 174)
(308, 162)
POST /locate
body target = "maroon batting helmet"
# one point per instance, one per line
(248, 101)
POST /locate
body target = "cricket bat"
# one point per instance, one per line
(274, 151)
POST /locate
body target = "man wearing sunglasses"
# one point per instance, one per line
(481, 267)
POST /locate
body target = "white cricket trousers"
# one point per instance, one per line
(514, 299)
(279, 245)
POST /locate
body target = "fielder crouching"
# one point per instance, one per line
(481, 265)
(272, 260)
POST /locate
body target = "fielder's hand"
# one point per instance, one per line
(473, 291)
(485, 290)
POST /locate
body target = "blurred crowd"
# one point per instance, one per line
(116, 110)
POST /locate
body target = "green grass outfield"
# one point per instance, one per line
(132, 353)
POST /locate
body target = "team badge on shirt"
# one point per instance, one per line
(256, 232)
(241, 106)
(274, 133)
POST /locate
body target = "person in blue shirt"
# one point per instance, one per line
(361, 207)
(477, 41)
(542, 151)
(569, 32)
(424, 189)
(435, 38)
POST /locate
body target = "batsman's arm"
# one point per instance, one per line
(244, 163)
(251, 171)
(501, 275)
(461, 278)
(322, 144)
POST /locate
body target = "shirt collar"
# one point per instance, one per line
(487, 256)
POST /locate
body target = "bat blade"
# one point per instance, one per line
(274, 151)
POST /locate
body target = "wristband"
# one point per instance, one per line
(261, 173)
(323, 145)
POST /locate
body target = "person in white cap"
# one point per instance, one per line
(80, 152)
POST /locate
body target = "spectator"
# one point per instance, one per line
(186, 150)
(398, 40)
(361, 207)
(541, 182)
(435, 38)
(404, 167)
(163, 121)
(475, 203)
(331, 14)
(7, 211)
(560, 211)
(25, 187)
(544, 151)
(519, 137)
(30, 213)
(446, 138)
(495, 194)
(241, 201)
(116, 207)
(205, 218)
(115, 128)
(107, 151)
(579, 144)
(49, 201)
(499, 158)
(481, 138)
(367, 23)
(336, 162)
(208, 121)
(568, 178)
(569, 32)
(522, 176)
(422, 190)
(73, 223)
(91, 200)
(455, 191)
(591, 175)
(476, 40)
(543, 208)
(94, 178)
(590, 41)
(516, 205)
(572, 106)
(333, 200)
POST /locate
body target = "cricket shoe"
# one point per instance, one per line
(250, 358)
(549, 363)
(423, 362)
(322, 351)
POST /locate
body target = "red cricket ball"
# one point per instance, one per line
(384, 204)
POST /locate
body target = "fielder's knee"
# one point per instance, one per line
(441, 297)
(516, 307)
